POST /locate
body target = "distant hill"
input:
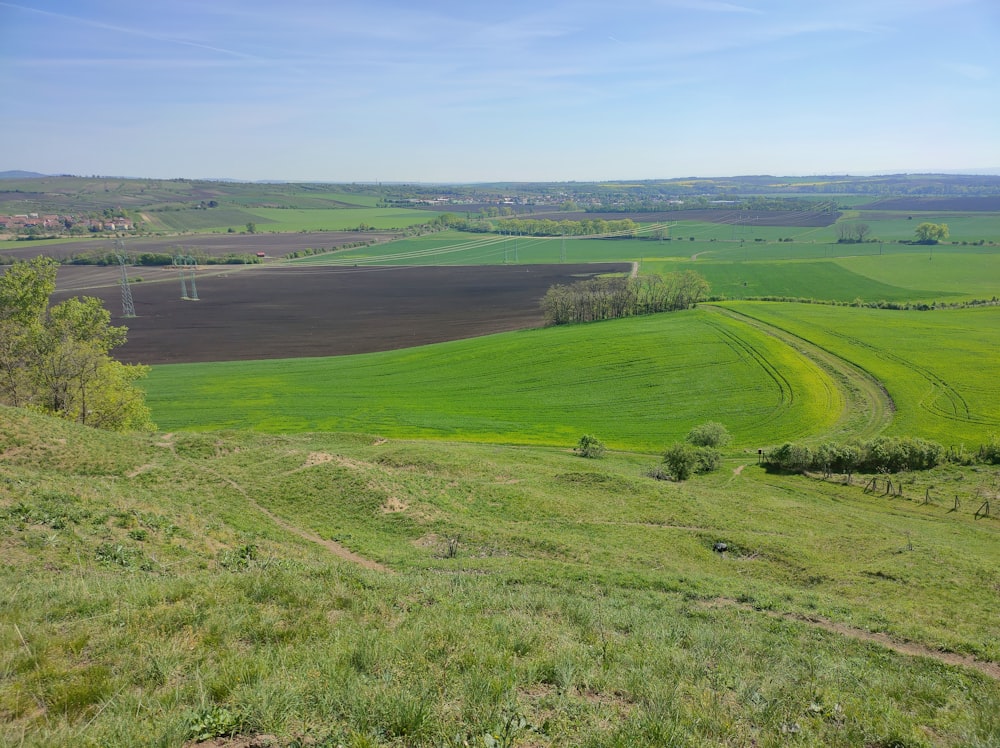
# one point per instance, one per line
(16, 174)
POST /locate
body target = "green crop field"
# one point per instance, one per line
(639, 383)
(969, 272)
(939, 367)
(202, 220)
(825, 280)
(339, 219)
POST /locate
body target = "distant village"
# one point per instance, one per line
(46, 223)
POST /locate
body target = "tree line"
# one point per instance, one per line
(56, 360)
(614, 297)
(536, 226)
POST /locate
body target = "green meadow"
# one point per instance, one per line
(639, 383)
(337, 590)
(339, 219)
(939, 367)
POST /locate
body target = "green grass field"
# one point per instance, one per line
(165, 589)
(340, 219)
(638, 383)
(938, 367)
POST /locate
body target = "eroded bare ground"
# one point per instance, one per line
(992, 669)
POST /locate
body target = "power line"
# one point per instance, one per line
(128, 306)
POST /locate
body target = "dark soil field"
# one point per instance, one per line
(805, 218)
(213, 245)
(258, 312)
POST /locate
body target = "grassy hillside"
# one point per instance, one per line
(638, 383)
(172, 587)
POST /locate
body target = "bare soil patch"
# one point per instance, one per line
(213, 245)
(268, 312)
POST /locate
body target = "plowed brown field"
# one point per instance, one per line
(288, 312)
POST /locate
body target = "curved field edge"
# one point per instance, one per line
(866, 408)
(939, 367)
(146, 588)
(638, 384)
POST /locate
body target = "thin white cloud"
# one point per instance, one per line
(126, 30)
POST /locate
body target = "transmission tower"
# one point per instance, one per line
(185, 265)
(128, 306)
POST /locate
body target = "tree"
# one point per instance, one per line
(56, 360)
(931, 233)
(251, 227)
(711, 434)
(852, 233)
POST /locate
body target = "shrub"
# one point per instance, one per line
(590, 446)
(990, 452)
(711, 434)
(682, 460)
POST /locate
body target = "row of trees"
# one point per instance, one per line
(56, 359)
(614, 297)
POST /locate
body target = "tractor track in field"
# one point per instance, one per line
(867, 406)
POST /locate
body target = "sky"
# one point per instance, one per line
(466, 91)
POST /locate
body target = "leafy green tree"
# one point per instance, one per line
(711, 434)
(251, 227)
(56, 360)
(931, 233)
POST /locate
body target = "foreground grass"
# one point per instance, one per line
(638, 383)
(533, 598)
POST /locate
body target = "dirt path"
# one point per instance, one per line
(330, 545)
(991, 669)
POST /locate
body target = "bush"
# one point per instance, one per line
(682, 460)
(711, 434)
(590, 446)
(880, 455)
(990, 452)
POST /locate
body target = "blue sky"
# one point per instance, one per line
(525, 91)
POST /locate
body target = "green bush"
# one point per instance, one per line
(590, 446)
(883, 454)
(682, 460)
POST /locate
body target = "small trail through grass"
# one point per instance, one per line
(991, 669)
(330, 545)
(867, 407)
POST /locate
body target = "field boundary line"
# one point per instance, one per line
(914, 649)
(862, 392)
